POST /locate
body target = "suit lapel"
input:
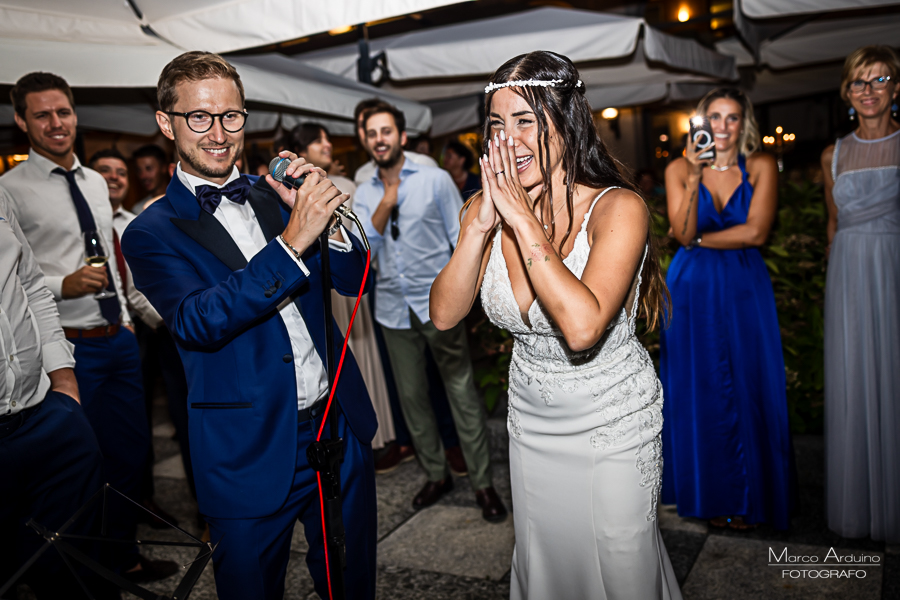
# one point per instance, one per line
(209, 233)
(267, 206)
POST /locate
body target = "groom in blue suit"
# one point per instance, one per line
(233, 264)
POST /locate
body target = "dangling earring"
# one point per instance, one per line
(894, 109)
(852, 113)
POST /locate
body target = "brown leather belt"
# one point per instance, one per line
(102, 331)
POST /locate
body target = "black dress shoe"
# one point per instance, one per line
(492, 508)
(432, 492)
(151, 570)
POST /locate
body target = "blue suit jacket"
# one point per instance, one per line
(222, 311)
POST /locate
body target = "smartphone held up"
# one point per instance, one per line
(701, 137)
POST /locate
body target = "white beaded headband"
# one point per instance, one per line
(528, 83)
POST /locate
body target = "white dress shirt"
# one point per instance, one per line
(138, 302)
(31, 339)
(42, 203)
(240, 222)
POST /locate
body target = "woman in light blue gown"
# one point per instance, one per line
(862, 305)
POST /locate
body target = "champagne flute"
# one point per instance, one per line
(96, 256)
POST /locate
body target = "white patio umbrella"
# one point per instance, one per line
(120, 70)
(213, 25)
(764, 9)
(621, 59)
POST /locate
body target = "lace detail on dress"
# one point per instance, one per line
(617, 374)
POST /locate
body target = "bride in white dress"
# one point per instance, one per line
(559, 246)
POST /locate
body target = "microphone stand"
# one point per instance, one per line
(326, 455)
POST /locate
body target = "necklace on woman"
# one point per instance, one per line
(553, 219)
(715, 167)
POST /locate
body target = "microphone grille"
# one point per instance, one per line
(277, 168)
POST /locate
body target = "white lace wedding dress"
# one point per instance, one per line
(585, 452)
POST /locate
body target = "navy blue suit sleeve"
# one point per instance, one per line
(200, 316)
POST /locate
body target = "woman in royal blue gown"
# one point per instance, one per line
(726, 443)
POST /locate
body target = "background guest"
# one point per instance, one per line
(367, 171)
(726, 441)
(411, 216)
(50, 460)
(458, 160)
(152, 173)
(164, 360)
(862, 304)
(311, 142)
(402, 450)
(60, 206)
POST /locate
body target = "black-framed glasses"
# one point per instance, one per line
(395, 229)
(879, 83)
(201, 121)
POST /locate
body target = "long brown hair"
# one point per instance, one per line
(586, 159)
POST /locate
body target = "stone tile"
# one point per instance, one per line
(731, 567)
(452, 540)
(164, 430)
(669, 519)
(463, 494)
(172, 467)
(396, 583)
(174, 497)
(890, 589)
(298, 583)
(394, 492)
(683, 548)
(164, 447)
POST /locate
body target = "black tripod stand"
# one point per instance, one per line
(63, 543)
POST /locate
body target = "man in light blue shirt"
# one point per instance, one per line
(411, 215)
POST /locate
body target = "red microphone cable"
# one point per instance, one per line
(337, 376)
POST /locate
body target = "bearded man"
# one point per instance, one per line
(233, 264)
(411, 216)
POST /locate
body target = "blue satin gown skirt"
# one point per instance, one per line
(726, 440)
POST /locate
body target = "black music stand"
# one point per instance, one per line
(60, 540)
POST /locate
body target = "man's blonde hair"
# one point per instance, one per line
(193, 66)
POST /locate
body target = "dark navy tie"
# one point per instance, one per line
(209, 196)
(109, 307)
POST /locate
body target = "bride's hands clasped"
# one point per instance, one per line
(503, 193)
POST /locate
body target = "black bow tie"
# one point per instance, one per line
(210, 196)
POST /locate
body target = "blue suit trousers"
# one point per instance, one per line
(252, 554)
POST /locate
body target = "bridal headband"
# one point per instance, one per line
(528, 83)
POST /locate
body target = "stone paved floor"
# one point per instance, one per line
(449, 552)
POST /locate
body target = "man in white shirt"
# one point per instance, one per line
(50, 462)
(60, 205)
(233, 263)
(152, 173)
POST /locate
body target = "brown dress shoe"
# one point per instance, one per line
(432, 492)
(394, 455)
(147, 570)
(492, 508)
(457, 461)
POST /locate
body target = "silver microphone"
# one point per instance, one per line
(277, 168)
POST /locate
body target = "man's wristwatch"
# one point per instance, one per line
(694, 243)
